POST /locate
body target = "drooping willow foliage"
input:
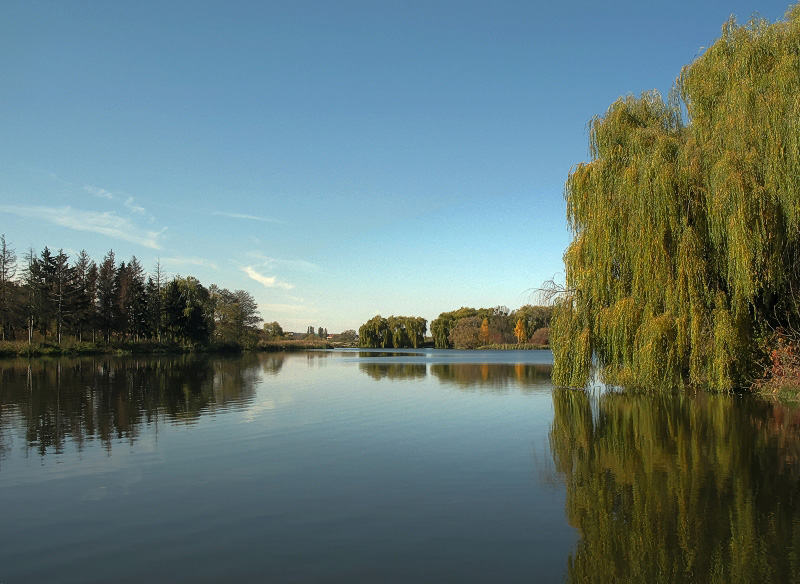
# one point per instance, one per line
(686, 246)
(681, 489)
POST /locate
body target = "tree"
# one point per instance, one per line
(133, 299)
(235, 315)
(62, 290)
(520, 332)
(188, 311)
(107, 295)
(8, 270)
(416, 327)
(32, 279)
(686, 238)
(272, 330)
(155, 316)
(85, 274)
(348, 336)
(375, 333)
(395, 331)
(466, 332)
(483, 335)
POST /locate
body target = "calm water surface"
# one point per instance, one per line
(377, 466)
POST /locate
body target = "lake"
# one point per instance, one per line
(384, 466)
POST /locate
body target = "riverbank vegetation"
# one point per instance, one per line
(397, 332)
(465, 328)
(685, 262)
(471, 328)
(79, 304)
(51, 306)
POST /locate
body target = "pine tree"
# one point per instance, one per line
(107, 295)
(8, 270)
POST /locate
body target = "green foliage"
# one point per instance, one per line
(348, 336)
(235, 317)
(273, 331)
(466, 334)
(188, 311)
(678, 488)
(395, 332)
(504, 326)
(687, 238)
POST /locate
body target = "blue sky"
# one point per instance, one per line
(337, 159)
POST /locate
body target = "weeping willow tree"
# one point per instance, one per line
(686, 236)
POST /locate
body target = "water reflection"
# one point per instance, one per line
(492, 376)
(52, 402)
(679, 488)
(394, 371)
(495, 377)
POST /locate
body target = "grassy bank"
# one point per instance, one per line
(510, 347)
(281, 345)
(44, 349)
(24, 349)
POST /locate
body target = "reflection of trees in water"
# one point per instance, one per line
(493, 376)
(679, 489)
(394, 371)
(272, 363)
(106, 398)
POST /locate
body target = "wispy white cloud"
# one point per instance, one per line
(98, 192)
(135, 208)
(244, 216)
(267, 261)
(191, 261)
(108, 195)
(293, 308)
(109, 223)
(268, 281)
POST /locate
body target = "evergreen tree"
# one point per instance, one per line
(84, 270)
(107, 295)
(62, 290)
(8, 270)
(32, 279)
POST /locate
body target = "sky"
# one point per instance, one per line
(336, 159)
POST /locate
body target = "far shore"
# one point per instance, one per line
(11, 349)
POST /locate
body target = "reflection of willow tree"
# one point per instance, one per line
(679, 489)
(108, 399)
(394, 371)
(496, 376)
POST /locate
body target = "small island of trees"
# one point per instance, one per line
(465, 328)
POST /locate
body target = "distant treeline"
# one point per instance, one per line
(468, 328)
(465, 328)
(48, 298)
(393, 332)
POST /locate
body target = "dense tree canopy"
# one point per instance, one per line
(686, 249)
(393, 332)
(497, 325)
(50, 298)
